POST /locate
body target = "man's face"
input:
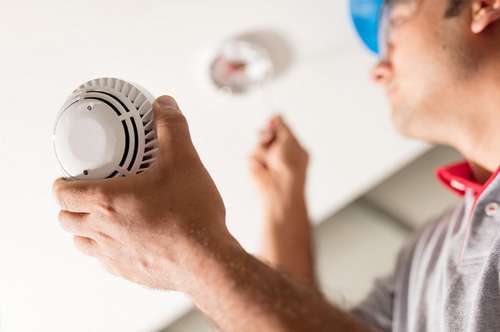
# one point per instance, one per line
(417, 71)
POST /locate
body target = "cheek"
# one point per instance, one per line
(418, 65)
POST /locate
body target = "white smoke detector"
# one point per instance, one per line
(106, 129)
(240, 65)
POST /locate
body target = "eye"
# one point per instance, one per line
(401, 12)
(396, 21)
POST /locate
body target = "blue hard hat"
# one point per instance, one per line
(366, 16)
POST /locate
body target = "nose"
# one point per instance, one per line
(382, 72)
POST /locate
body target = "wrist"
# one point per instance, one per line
(205, 262)
(286, 208)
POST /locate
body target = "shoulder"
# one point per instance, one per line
(430, 242)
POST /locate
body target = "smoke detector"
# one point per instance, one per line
(249, 61)
(240, 65)
(106, 129)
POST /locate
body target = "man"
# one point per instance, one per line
(166, 227)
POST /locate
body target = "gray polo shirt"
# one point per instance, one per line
(447, 278)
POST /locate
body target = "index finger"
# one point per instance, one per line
(279, 123)
(76, 196)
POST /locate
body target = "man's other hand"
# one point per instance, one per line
(279, 165)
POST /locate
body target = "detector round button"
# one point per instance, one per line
(89, 139)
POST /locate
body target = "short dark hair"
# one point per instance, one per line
(454, 8)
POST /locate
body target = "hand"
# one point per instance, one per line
(279, 166)
(149, 228)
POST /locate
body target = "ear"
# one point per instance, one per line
(484, 14)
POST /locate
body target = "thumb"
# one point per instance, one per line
(171, 126)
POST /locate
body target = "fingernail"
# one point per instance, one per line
(167, 103)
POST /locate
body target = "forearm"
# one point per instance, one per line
(287, 239)
(242, 294)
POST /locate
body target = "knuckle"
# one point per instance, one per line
(102, 200)
(181, 118)
(58, 190)
(110, 266)
(176, 117)
(84, 245)
(64, 221)
(254, 156)
(65, 226)
(106, 208)
(79, 243)
(172, 119)
(102, 237)
(61, 216)
(106, 219)
(58, 185)
(99, 193)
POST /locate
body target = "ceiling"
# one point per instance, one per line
(50, 47)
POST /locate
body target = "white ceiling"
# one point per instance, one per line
(49, 47)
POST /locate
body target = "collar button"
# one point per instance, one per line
(491, 209)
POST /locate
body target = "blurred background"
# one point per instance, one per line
(231, 64)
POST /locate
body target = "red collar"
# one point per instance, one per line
(459, 178)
